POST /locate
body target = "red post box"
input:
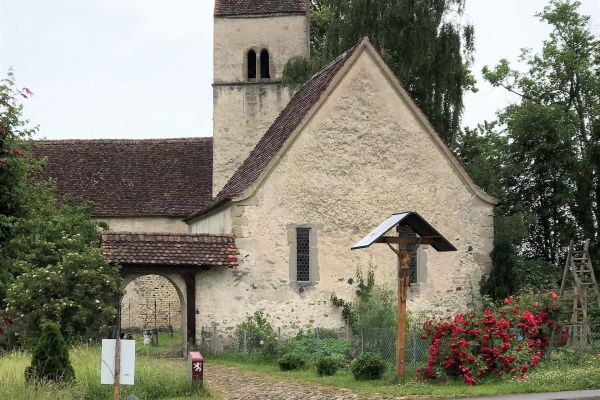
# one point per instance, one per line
(195, 367)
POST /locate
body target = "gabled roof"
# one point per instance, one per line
(272, 141)
(169, 249)
(133, 178)
(297, 113)
(224, 8)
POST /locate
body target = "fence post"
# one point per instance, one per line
(362, 340)
(414, 341)
(318, 342)
(279, 335)
(214, 340)
(245, 344)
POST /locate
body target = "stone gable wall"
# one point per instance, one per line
(362, 157)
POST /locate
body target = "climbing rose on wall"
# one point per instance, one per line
(507, 341)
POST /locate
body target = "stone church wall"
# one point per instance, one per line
(242, 114)
(146, 224)
(363, 156)
(244, 110)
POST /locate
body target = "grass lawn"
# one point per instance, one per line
(156, 377)
(551, 377)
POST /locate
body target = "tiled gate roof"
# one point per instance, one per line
(169, 249)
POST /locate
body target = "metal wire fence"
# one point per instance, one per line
(382, 341)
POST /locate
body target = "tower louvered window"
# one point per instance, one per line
(303, 254)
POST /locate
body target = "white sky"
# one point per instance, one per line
(143, 68)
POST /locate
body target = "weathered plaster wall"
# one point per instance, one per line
(137, 305)
(146, 224)
(243, 111)
(216, 223)
(242, 114)
(363, 156)
(283, 36)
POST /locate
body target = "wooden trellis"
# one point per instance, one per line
(579, 275)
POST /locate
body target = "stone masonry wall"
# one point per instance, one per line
(242, 114)
(146, 224)
(243, 111)
(137, 306)
(363, 156)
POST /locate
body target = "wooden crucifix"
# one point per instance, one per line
(405, 222)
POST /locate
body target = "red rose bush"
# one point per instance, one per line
(505, 341)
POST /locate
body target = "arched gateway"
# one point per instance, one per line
(180, 258)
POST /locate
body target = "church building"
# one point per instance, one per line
(262, 215)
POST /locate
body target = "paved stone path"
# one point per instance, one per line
(234, 383)
(238, 384)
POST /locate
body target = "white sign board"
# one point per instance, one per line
(107, 371)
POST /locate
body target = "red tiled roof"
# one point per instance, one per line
(272, 141)
(258, 7)
(169, 249)
(164, 177)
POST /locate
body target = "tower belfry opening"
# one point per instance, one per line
(264, 65)
(251, 65)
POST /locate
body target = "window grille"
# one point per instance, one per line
(303, 254)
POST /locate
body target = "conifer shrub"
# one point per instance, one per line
(368, 366)
(50, 360)
(291, 361)
(328, 365)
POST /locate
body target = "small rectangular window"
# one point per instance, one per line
(303, 254)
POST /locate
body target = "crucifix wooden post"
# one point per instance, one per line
(404, 259)
(407, 222)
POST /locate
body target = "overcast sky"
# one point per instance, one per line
(143, 68)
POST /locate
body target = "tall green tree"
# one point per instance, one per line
(420, 40)
(552, 167)
(51, 266)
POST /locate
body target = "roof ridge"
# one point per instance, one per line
(125, 141)
(183, 234)
(230, 8)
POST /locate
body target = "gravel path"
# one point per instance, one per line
(234, 383)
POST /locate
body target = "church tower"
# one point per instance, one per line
(253, 39)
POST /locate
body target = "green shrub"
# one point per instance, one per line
(291, 361)
(259, 335)
(375, 307)
(368, 366)
(306, 344)
(50, 360)
(328, 365)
